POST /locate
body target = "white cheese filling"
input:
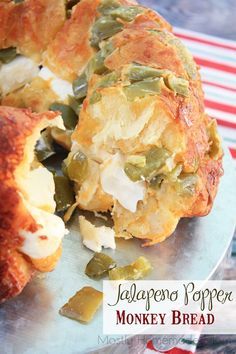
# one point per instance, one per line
(61, 88)
(17, 73)
(115, 182)
(39, 188)
(94, 237)
(46, 240)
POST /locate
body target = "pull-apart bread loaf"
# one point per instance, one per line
(30, 234)
(153, 154)
(143, 149)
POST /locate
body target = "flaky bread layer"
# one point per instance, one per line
(30, 25)
(17, 127)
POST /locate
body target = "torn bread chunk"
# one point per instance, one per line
(31, 235)
(16, 74)
(30, 25)
(43, 90)
(94, 237)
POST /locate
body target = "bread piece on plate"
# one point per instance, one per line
(30, 233)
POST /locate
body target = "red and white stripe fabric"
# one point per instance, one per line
(217, 59)
(186, 345)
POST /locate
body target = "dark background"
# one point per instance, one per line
(218, 18)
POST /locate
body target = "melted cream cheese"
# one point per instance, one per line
(17, 73)
(46, 240)
(115, 182)
(62, 88)
(38, 188)
(94, 237)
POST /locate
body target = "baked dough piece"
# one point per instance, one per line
(26, 30)
(30, 25)
(30, 235)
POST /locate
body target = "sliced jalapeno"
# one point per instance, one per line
(80, 86)
(126, 13)
(44, 147)
(107, 6)
(134, 172)
(106, 81)
(83, 305)
(134, 271)
(7, 54)
(178, 85)
(96, 64)
(114, 9)
(99, 265)
(69, 116)
(64, 194)
(144, 88)
(77, 167)
(104, 28)
(155, 159)
(138, 72)
(75, 104)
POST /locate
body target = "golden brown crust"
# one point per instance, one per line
(68, 60)
(143, 47)
(15, 273)
(149, 19)
(31, 25)
(16, 126)
(47, 264)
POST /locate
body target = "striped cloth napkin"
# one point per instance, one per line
(217, 59)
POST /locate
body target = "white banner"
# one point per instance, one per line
(169, 307)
